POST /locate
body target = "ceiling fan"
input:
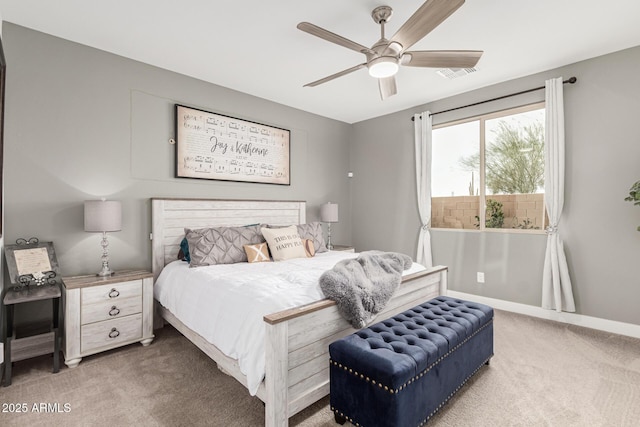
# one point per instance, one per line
(386, 55)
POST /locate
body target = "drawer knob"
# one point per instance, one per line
(114, 311)
(113, 293)
(114, 333)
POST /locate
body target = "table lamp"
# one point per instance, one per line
(103, 216)
(329, 214)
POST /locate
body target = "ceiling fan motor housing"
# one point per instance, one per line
(383, 60)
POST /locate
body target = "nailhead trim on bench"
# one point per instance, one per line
(454, 392)
(423, 422)
(421, 374)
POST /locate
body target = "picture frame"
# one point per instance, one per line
(218, 147)
(32, 263)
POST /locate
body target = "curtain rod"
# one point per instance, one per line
(570, 80)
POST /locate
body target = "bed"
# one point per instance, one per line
(296, 360)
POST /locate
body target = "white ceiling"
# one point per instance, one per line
(253, 46)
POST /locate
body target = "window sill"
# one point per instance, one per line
(493, 230)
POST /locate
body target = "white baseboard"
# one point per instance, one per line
(620, 328)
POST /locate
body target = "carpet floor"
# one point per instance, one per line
(543, 374)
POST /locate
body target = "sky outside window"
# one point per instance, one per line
(449, 176)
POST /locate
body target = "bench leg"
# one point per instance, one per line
(340, 419)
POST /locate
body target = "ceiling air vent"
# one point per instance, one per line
(454, 73)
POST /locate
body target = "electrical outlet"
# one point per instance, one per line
(480, 275)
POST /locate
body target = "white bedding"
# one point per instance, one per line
(226, 304)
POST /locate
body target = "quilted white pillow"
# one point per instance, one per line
(284, 243)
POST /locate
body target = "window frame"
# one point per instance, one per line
(482, 118)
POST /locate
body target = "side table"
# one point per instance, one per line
(102, 313)
(343, 248)
(24, 347)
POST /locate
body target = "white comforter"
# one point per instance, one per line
(226, 304)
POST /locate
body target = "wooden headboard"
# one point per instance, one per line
(169, 217)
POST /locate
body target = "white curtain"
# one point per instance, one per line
(422, 128)
(556, 283)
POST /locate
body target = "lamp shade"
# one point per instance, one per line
(329, 212)
(102, 215)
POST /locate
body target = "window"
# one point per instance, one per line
(495, 161)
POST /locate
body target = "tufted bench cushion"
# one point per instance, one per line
(400, 371)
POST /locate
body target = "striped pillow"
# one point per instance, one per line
(309, 248)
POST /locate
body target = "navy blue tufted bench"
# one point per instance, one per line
(401, 371)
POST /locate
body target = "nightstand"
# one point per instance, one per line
(343, 248)
(101, 313)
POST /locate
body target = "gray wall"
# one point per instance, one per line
(598, 226)
(83, 124)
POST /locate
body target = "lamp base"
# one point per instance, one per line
(105, 273)
(329, 245)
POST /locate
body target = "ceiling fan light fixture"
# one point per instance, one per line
(384, 66)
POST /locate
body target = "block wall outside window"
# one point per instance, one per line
(459, 212)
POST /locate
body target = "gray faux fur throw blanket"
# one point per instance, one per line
(363, 286)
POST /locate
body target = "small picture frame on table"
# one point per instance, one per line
(32, 263)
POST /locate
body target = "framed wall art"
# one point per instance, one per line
(214, 146)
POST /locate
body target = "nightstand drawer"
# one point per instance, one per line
(111, 292)
(107, 310)
(111, 333)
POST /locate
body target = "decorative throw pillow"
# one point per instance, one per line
(309, 249)
(313, 231)
(221, 245)
(284, 243)
(183, 253)
(257, 253)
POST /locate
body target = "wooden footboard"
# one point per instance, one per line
(297, 344)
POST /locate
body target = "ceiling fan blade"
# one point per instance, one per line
(332, 37)
(431, 14)
(336, 75)
(442, 58)
(387, 87)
